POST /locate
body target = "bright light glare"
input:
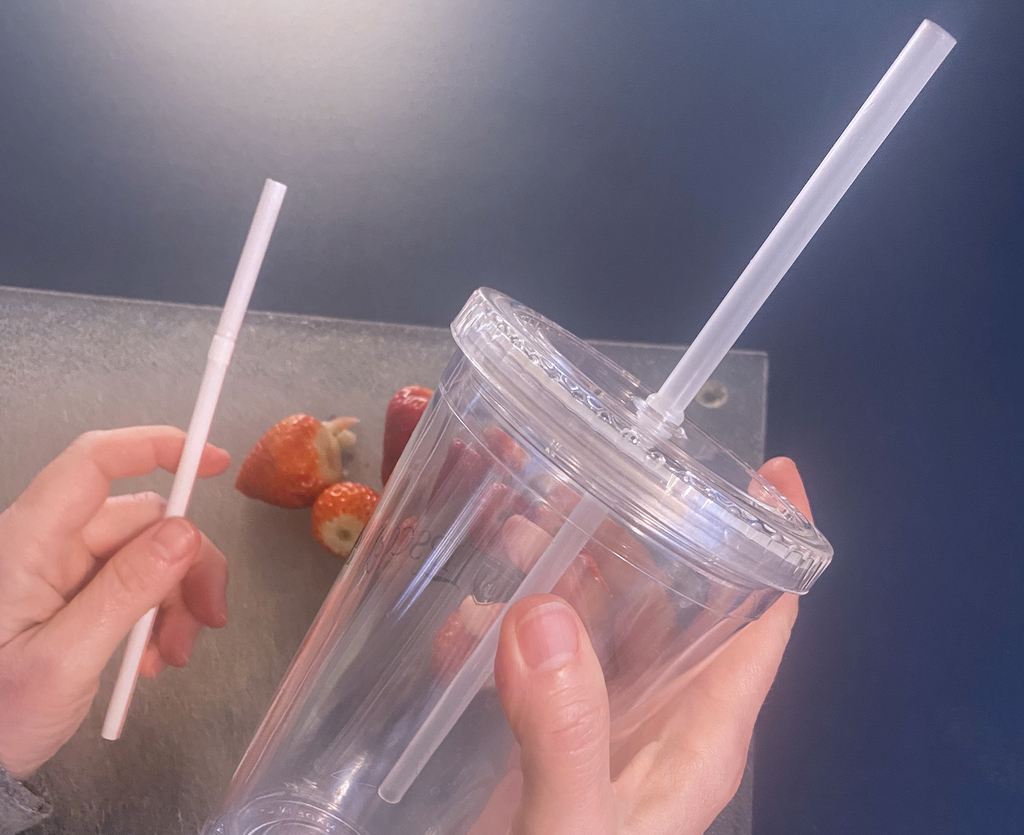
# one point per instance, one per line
(308, 78)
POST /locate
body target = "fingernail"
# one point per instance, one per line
(181, 658)
(547, 636)
(222, 610)
(176, 539)
(159, 667)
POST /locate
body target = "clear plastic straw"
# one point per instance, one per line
(217, 361)
(558, 556)
(898, 88)
(919, 59)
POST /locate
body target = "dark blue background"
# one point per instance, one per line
(615, 164)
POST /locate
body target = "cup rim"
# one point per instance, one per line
(534, 366)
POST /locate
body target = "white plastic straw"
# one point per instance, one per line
(217, 361)
(906, 78)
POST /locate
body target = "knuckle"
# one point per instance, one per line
(576, 722)
(130, 576)
(150, 498)
(85, 447)
(87, 441)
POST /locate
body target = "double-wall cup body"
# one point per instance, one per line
(377, 727)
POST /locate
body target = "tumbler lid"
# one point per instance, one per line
(588, 416)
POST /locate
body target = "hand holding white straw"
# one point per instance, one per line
(218, 359)
(911, 70)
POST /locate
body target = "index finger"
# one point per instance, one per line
(73, 487)
(784, 476)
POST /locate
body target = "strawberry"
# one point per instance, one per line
(563, 498)
(404, 411)
(551, 513)
(499, 501)
(460, 473)
(459, 635)
(296, 460)
(545, 518)
(501, 445)
(340, 513)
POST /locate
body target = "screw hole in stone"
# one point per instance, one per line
(713, 395)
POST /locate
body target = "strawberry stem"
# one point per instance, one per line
(339, 428)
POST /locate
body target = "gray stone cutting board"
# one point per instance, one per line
(73, 363)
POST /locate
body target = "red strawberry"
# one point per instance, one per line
(340, 513)
(404, 411)
(460, 474)
(459, 635)
(499, 501)
(563, 498)
(456, 450)
(545, 518)
(501, 445)
(551, 513)
(296, 460)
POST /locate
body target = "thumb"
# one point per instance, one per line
(133, 581)
(553, 692)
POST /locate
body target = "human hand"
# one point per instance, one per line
(685, 763)
(78, 568)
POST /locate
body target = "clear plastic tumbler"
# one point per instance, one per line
(527, 420)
